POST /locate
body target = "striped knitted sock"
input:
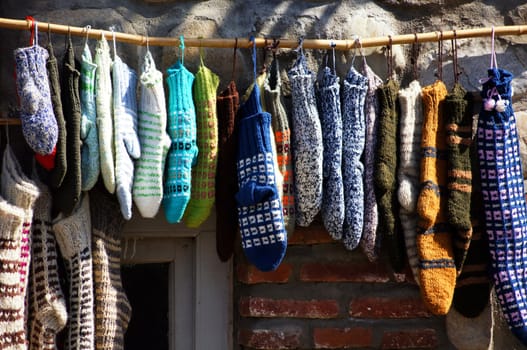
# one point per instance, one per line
(203, 174)
(73, 238)
(437, 271)
(112, 309)
(152, 124)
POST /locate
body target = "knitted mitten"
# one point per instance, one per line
(73, 238)
(264, 239)
(437, 272)
(103, 101)
(504, 198)
(371, 238)
(411, 103)
(307, 143)
(183, 153)
(353, 96)
(226, 184)
(112, 309)
(90, 162)
(152, 124)
(127, 147)
(203, 174)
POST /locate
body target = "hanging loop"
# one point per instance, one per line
(493, 60)
(32, 27)
(87, 29)
(112, 28)
(201, 50)
(182, 48)
(415, 56)
(234, 58)
(389, 57)
(300, 47)
(439, 73)
(454, 58)
(253, 41)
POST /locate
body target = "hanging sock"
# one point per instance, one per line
(155, 142)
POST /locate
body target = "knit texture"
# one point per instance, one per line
(103, 102)
(184, 151)
(437, 271)
(74, 241)
(127, 146)
(307, 143)
(227, 104)
(112, 309)
(411, 123)
(152, 124)
(504, 201)
(371, 237)
(90, 162)
(204, 172)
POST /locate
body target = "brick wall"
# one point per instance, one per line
(324, 297)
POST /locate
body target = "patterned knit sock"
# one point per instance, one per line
(39, 125)
(371, 237)
(203, 174)
(127, 146)
(103, 101)
(152, 124)
(328, 97)
(183, 152)
(408, 173)
(226, 184)
(73, 238)
(90, 162)
(260, 217)
(307, 143)
(437, 271)
(112, 309)
(353, 96)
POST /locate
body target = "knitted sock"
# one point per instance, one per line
(90, 162)
(282, 134)
(203, 174)
(39, 125)
(127, 146)
(103, 101)
(386, 171)
(504, 200)
(226, 184)
(459, 131)
(471, 333)
(184, 151)
(307, 143)
(112, 309)
(48, 314)
(152, 124)
(437, 271)
(371, 238)
(264, 239)
(411, 123)
(73, 238)
(333, 209)
(353, 96)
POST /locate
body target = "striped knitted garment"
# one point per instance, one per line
(328, 98)
(90, 162)
(504, 201)
(306, 139)
(127, 146)
(73, 238)
(282, 135)
(152, 124)
(103, 101)
(437, 271)
(227, 104)
(184, 151)
(353, 134)
(204, 172)
(411, 122)
(371, 238)
(112, 309)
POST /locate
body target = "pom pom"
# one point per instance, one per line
(489, 104)
(501, 106)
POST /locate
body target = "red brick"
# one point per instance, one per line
(314, 234)
(249, 274)
(371, 307)
(344, 272)
(415, 339)
(269, 339)
(342, 338)
(264, 307)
